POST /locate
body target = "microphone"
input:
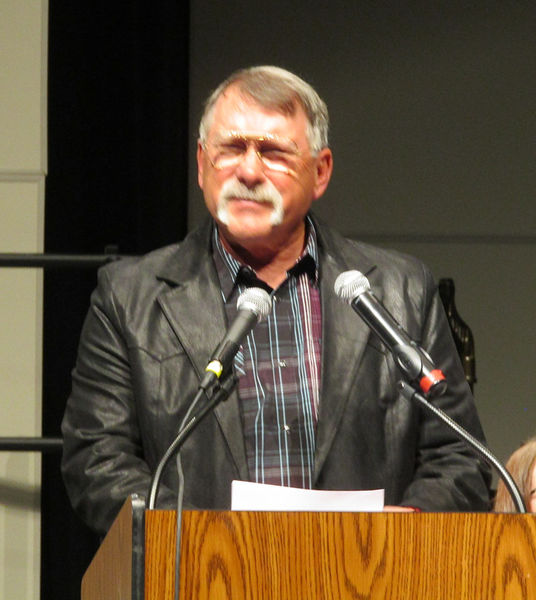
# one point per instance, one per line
(252, 304)
(353, 287)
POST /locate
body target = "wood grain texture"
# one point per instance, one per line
(253, 555)
(110, 573)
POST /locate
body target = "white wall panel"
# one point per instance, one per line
(23, 59)
(23, 38)
(21, 207)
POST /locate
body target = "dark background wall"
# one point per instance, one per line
(432, 104)
(117, 123)
(433, 130)
(433, 121)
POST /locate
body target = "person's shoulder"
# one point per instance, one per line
(144, 276)
(391, 260)
(167, 262)
(134, 267)
(385, 260)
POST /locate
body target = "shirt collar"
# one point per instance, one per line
(234, 274)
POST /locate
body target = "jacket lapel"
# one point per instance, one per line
(196, 313)
(344, 339)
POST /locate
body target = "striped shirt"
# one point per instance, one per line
(278, 368)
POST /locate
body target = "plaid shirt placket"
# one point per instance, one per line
(279, 368)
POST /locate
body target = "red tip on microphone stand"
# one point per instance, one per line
(433, 383)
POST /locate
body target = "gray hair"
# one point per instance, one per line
(278, 89)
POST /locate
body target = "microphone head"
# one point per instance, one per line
(350, 285)
(256, 300)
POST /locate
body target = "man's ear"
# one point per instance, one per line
(200, 165)
(324, 169)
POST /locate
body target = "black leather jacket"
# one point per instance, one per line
(150, 329)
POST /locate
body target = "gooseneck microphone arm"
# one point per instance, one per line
(411, 394)
(353, 287)
(189, 423)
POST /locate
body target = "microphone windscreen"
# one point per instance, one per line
(350, 285)
(256, 300)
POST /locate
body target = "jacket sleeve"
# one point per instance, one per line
(103, 461)
(448, 474)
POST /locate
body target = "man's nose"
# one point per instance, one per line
(250, 170)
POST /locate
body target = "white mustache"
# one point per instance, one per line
(265, 193)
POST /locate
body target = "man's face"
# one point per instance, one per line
(257, 173)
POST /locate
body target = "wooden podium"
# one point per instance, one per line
(315, 556)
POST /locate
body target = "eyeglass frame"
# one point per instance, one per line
(248, 139)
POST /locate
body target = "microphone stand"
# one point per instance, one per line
(411, 393)
(219, 392)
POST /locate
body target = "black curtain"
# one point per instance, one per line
(117, 180)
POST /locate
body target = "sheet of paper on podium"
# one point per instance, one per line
(247, 495)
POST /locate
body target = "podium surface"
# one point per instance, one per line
(294, 555)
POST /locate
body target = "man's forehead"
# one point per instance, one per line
(237, 111)
(234, 98)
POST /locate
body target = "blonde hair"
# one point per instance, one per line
(520, 466)
(275, 88)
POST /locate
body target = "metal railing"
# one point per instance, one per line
(61, 261)
(31, 444)
(49, 261)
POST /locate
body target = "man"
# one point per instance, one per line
(316, 405)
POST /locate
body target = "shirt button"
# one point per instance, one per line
(282, 363)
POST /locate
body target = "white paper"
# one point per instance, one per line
(257, 496)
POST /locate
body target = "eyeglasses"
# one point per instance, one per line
(276, 154)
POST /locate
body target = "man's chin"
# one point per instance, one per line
(246, 230)
(242, 232)
(249, 215)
